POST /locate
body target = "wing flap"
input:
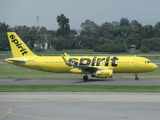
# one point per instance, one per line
(90, 69)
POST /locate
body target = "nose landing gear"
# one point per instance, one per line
(136, 76)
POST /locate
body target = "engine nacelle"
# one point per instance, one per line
(103, 74)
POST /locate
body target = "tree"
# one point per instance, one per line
(157, 29)
(58, 43)
(52, 35)
(89, 26)
(4, 44)
(28, 34)
(89, 34)
(143, 48)
(73, 32)
(134, 39)
(4, 27)
(110, 47)
(107, 30)
(22, 31)
(124, 22)
(107, 26)
(135, 23)
(64, 27)
(42, 30)
(147, 31)
(83, 41)
(32, 37)
(152, 43)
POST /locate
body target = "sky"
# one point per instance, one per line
(25, 12)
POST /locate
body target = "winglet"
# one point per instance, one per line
(65, 60)
(65, 54)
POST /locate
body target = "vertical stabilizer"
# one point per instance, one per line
(18, 47)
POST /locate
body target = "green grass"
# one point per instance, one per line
(77, 88)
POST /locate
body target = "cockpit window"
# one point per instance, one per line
(147, 61)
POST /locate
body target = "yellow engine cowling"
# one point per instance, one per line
(103, 74)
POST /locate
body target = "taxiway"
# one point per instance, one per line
(79, 106)
(112, 81)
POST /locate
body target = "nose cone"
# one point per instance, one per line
(5, 60)
(154, 66)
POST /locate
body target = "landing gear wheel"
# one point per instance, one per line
(85, 77)
(136, 78)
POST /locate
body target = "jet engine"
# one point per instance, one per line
(102, 74)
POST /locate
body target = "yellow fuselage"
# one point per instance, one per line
(119, 64)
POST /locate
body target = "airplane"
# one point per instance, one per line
(96, 66)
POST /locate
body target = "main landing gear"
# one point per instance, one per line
(85, 77)
(136, 76)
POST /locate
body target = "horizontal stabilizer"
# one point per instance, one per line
(15, 60)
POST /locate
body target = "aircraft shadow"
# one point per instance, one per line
(20, 79)
(95, 80)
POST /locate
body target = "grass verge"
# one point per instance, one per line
(77, 88)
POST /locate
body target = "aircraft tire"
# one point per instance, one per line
(85, 77)
(136, 78)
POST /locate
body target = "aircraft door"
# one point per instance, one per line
(36, 63)
(137, 65)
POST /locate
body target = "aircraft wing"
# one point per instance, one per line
(90, 69)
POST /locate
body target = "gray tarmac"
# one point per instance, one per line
(79, 106)
(112, 81)
(2, 62)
